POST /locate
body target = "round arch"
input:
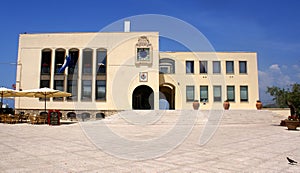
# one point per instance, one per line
(143, 98)
(167, 92)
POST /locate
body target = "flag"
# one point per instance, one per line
(66, 64)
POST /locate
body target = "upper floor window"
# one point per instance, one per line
(243, 67)
(189, 66)
(101, 61)
(46, 61)
(73, 66)
(216, 67)
(59, 59)
(203, 67)
(87, 60)
(166, 66)
(229, 67)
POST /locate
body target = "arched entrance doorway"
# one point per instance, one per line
(143, 98)
(167, 92)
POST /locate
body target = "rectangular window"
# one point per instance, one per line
(243, 67)
(86, 93)
(58, 85)
(217, 94)
(101, 61)
(204, 93)
(203, 67)
(190, 93)
(87, 61)
(166, 66)
(230, 93)
(164, 69)
(45, 83)
(73, 67)
(60, 56)
(46, 61)
(244, 93)
(100, 90)
(216, 67)
(229, 67)
(72, 88)
(189, 65)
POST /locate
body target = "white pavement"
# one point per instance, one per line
(244, 141)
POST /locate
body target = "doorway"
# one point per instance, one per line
(167, 92)
(143, 98)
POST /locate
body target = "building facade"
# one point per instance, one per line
(118, 71)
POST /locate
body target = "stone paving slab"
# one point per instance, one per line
(245, 141)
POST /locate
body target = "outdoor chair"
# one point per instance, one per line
(2, 118)
(15, 118)
(71, 115)
(23, 117)
(8, 118)
(42, 118)
(33, 119)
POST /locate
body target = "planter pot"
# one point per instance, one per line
(258, 105)
(226, 105)
(282, 123)
(196, 105)
(291, 124)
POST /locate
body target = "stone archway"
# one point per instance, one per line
(167, 92)
(143, 98)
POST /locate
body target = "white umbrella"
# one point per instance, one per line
(5, 92)
(43, 93)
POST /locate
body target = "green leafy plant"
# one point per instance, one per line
(284, 95)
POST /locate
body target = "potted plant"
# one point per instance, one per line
(258, 105)
(293, 120)
(196, 104)
(226, 105)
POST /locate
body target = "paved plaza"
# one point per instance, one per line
(171, 141)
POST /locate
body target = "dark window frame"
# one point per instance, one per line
(247, 93)
(186, 92)
(189, 67)
(228, 94)
(228, 65)
(204, 99)
(203, 67)
(215, 71)
(243, 67)
(217, 98)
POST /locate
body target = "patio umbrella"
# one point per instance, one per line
(5, 92)
(43, 93)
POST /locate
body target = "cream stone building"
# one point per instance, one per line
(115, 71)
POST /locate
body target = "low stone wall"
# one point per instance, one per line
(284, 112)
(64, 113)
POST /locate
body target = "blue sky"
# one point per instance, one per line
(269, 27)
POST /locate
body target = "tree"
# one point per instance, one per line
(282, 96)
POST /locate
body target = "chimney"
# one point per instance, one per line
(126, 26)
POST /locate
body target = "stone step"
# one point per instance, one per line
(190, 116)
